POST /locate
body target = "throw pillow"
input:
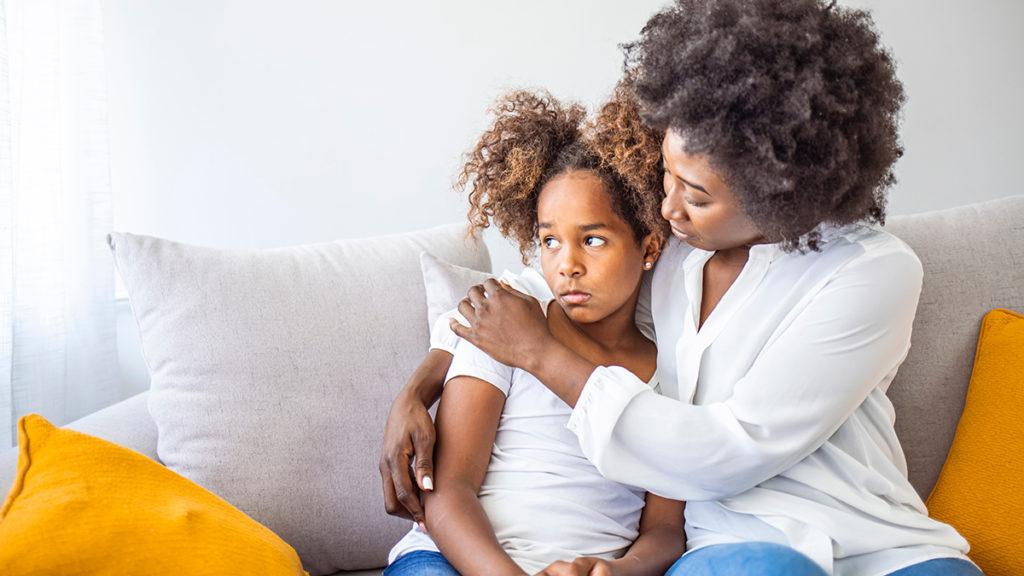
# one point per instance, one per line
(272, 372)
(446, 284)
(82, 505)
(979, 488)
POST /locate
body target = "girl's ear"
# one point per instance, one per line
(652, 245)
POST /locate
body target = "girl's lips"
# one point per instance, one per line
(575, 297)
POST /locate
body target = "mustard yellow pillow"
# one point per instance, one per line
(981, 488)
(81, 505)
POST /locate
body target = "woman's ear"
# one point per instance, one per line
(652, 245)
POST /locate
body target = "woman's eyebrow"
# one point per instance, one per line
(687, 182)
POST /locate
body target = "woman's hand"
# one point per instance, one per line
(582, 566)
(503, 322)
(410, 433)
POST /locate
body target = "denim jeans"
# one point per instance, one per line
(766, 559)
(420, 563)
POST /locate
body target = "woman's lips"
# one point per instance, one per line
(680, 234)
(575, 298)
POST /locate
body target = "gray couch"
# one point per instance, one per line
(973, 259)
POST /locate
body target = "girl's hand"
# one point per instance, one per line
(503, 322)
(582, 566)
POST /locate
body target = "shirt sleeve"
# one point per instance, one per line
(849, 338)
(472, 361)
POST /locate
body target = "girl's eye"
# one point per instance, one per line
(594, 241)
(695, 203)
(550, 242)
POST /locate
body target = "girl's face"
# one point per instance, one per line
(589, 255)
(699, 206)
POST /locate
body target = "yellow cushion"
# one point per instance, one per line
(981, 488)
(82, 505)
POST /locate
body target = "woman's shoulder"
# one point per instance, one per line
(868, 253)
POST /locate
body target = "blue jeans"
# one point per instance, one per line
(766, 559)
(420, 563)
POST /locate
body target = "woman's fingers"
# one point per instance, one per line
(406, 492)
(391, 504)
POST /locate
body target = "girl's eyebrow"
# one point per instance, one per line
(583, 227)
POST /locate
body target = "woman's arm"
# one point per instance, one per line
(809, 378)
(410, 432)
(467, 422)
(661, 542)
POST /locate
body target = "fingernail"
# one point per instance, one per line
(428, 484)
(423, 526)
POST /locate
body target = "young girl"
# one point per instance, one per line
(513, 492)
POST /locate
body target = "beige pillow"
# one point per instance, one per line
(272, 372)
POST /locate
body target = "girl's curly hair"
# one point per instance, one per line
(535, 138)
(794, 101)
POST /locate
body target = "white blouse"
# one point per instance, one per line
(773, 421)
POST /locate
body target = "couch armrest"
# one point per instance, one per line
(126, 423)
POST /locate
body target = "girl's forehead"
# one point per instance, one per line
(576, 199)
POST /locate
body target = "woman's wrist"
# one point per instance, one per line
(427, 381)
(559, 368)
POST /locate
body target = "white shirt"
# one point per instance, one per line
(773, 421)
(544, 499)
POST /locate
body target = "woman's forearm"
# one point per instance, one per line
(653, 552)
(562, 370)
(460, 528)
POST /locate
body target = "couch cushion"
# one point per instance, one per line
(973, 258)
(272, 372)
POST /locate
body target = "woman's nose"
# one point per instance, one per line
(672, 207)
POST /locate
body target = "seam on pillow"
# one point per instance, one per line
(19, 478)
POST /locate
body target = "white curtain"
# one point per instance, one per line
(58, 341)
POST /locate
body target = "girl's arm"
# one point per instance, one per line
(467, 422)
(661, 541)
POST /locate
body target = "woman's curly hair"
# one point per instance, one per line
(535, 138)
(794, 101)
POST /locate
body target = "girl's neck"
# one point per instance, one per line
(602, 341)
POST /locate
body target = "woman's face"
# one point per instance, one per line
(588, 253)
(699, 206)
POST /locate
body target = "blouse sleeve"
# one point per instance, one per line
(850, 336)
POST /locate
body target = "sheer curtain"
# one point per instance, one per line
(58, 341)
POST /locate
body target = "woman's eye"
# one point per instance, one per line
(550, 242)
(695, 203)
(594, 241)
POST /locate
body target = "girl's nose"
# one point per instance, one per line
(570, 266)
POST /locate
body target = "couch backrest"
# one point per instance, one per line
(973, 258)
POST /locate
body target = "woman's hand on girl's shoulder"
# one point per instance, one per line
(508, 325)
(582, 566)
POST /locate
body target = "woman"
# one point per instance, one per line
(782, 311)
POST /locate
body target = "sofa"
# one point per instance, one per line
(973, 259)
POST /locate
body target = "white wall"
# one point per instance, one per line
(259, 124)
